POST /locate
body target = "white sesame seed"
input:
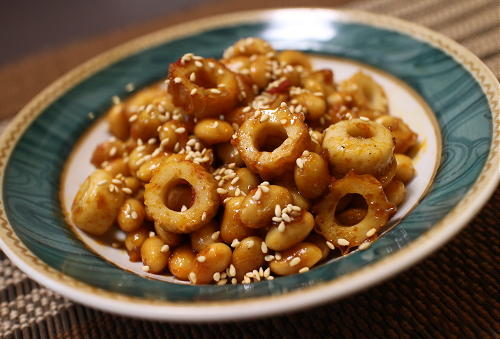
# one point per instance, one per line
(116, 181)
(304, 270)
(269, 257)
(364, 118)
(215, 235)
(215, 124)
(180, 130)
(184, 208)
(264, 188)
(220, 71)
(198, 63)
(192, 277)
(216, 276)
(364, 245)
(192, 77)
(277, 255)
(145, 268)
(235, 243)
(152, 234)
(235, 180)
(126, 190)
(221, 191)
(211, 64)
(152, 141)
(294, 262)
(201, 258)
(277, 219)
(237, 192)
(267, 272)
(232, 271)
(264, 118)
(116, 100)
(102, 182)
(300, 163)
(246, 109)
(134, 215)
(234, 281)
(222, 282)
(371, 232)
(330, 245)
(250, 243)
(342, 242)
(257, 194)
(246, 280)
(270, 277)
(204, 216)
(281, 227)
(286, 217)
(193, 91)
(263, 247)
(223, 275)
(277, 210)
(177, 80)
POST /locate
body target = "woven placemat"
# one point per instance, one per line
(453, 293)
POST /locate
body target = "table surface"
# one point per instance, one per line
(450, 294)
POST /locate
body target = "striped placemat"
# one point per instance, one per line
(451, 294)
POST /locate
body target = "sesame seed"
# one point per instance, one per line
(192, 77)
(330, 245)
(221, 191)
(145, 268)
(134, 215)
(283, 121)
(277, 210)
(234, 281)
(263, 247)
(342, 242)
(216, 276)
(286, 217)
(235, 243)
(364, 118)
(193, 91)
(246, 280)
(277, 255)
(201, 258)
(129, 87)
(215, 91)
(132, 118)
(184, 208)
(215, 235)
(102, 182)
(246, 109)
(277, 219)
(270, 277)
(304, 270)
(220, 71)
(283, 104)
(116, 181)
(192, 277)
(364, 245)
(264, 188)
(180, 130)
(151, 141)
(111, 188)
(250, 243)
(237, 192)
(300, 163)
(164, 249)
(264, 118)
(257, 194)
(232, 271)
(267, 272)
(116, 100)
(235, 180)
(223, 275)
(371, 232)
(294, 262)
(222, 282)
(281, 227)
(198, 63)
(177, 80)
(269, 257)
(204, 216)
(211, 64)
(152, 234)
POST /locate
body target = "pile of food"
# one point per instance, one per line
(246, 168)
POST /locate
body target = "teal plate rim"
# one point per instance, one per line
(458, 87)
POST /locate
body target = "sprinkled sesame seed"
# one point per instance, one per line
(193, 91)
(264, 118)
(237, 191)
(145, 268)
(192, 77)
(215, 124)
(220, 71)
(257, 194)
(277, 255)
(184, 208)
(294, 262)
(371, 232)
(116, 100)
(102, 182)
(192, 277)
(364, 245)
(198, 63)
(116, 181)
(211, 64)
(277, 219)
(151, 141)
(232, 270)
(281, 227)
(300, 163)
(216, 276)
(330, 245)
(180, 130)
(269, 257)
(222, 282)
(270, 277)
(250, 243)
(234, 281)
(246, 109)
(277, 210)
(134, 216)
(215, 235)
(235, 243)
(364, 118)
(221, 191)
(304, 270)
(286, 217)
(177, 80)
(215, 90)
(264, 188)
(263, 247)
(342, 242)
(201, 258)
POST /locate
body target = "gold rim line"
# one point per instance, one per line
(485, 183)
